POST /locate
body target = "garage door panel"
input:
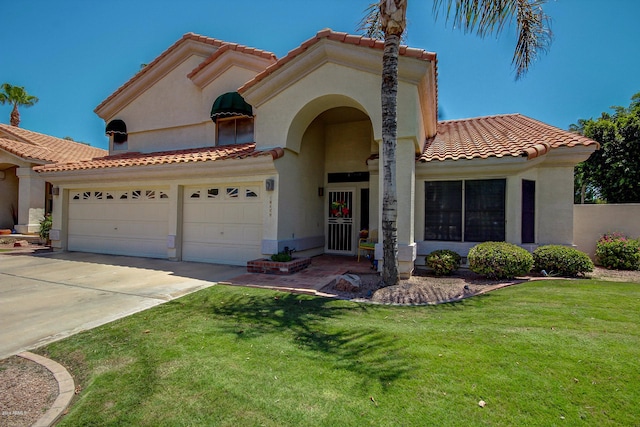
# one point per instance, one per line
(121, 222)
(224, 228)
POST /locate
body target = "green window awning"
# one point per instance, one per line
(118, 129)
(230, 104)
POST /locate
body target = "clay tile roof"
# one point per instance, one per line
(193, 155)
(340, 37)
(497, 136)
(41, 148)
(184, 38)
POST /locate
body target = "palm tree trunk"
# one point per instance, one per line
(14, 120)
(389, 95)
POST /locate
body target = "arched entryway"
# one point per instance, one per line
(339, 142)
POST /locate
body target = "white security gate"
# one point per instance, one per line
(222, 224)
(119, 222)
(340, 221)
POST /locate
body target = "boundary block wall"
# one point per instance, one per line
(590, 222)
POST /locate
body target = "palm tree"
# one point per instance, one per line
(387, 19)
(16, 95)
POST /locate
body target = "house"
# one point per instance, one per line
(223, 153)
(24, 195)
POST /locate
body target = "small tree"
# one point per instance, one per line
(16, 96)
(612, 172)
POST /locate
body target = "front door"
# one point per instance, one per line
(340, 227)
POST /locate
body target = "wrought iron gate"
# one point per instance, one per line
(340, 221)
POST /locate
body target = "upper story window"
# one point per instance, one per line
(233, 117)
(234, 131)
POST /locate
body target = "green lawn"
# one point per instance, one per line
(542, 353)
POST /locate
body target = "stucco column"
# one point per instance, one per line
(31, 197)
(405, 181)
(405, 184)
(174, 236)
(59, 217)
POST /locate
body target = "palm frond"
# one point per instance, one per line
(484, 17)
(371, 25)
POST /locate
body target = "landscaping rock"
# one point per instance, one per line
(21, 244)
(348, 283)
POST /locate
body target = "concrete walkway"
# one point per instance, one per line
(44, 298)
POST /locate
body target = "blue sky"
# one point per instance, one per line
(72, 54)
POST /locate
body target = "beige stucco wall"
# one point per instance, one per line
(554, 198)
(284, 117)
(174, 113)
(8, 197)
(590, 222)
(554, 191)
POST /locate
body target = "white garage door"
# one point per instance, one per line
(120, 222)
(222, 224)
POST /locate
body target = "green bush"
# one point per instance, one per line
(45, 227)
(281, 257)
(443, 261)
(618, 252)
(561, 261)
(499, 260)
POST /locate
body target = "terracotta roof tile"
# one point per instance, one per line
(186, 37)
(512, 135)
(43, 148)
(340, 37)
(130, 159)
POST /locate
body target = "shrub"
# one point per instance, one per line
(499, 260)
(561, 260)
(45, 227)
(443, 261)
(281, 257)
(617, 251)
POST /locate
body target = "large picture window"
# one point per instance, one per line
(237, 130)
(470, 211)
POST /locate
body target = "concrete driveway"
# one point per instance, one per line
(44, 298)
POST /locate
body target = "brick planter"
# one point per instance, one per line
(266, 266)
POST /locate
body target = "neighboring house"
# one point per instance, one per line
(24, 195)
(222, 153)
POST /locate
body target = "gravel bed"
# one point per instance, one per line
(28, 390)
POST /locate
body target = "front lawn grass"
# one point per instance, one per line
(554, 352)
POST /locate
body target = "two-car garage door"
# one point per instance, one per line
(221, 223)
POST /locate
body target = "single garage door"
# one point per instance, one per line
(222, 224)
(119, 222)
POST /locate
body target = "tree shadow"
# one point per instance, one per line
(366, 351)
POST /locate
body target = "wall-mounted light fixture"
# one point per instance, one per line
(55, 191)
(270, 184)
(320, 191)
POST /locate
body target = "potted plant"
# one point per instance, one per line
(45, 228)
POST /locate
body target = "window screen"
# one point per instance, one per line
(443, 210)
(484, 217)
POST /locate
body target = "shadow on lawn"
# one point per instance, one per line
(365, 350)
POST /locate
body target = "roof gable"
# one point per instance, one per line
(510, 135)
(225, 57)
(347, 39)
(40, 148)
(190, 44)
